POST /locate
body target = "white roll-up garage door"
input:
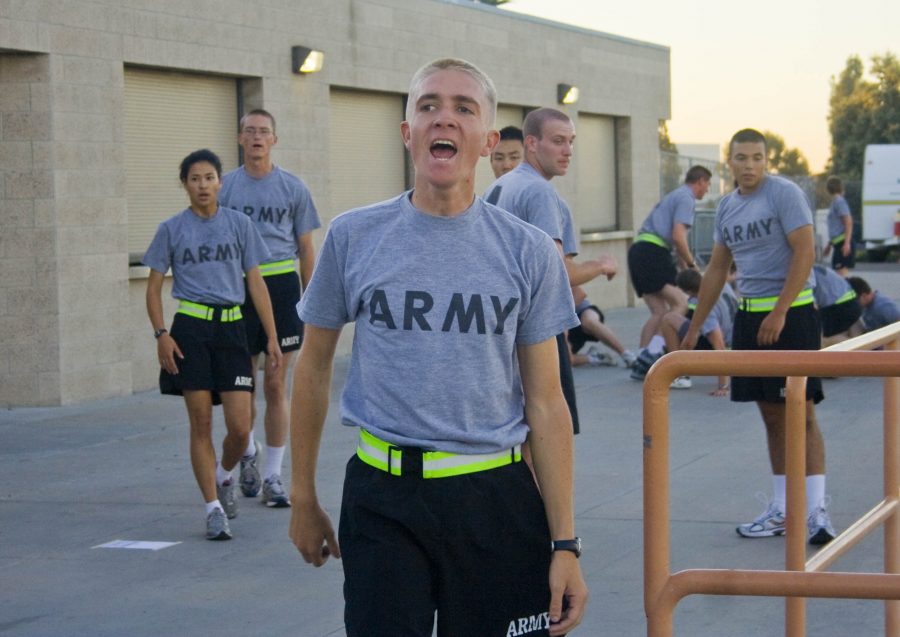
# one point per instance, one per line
(595, 158)
(367, 155)
(167, 116)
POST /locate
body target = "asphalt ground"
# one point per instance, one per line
(81, 476)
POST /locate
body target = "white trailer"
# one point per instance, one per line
(881, 194)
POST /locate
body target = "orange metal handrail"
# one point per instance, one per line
(663, 590)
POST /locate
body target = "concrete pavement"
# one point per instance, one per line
(81, 476)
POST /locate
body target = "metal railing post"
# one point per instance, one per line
(891, 482)
(795, 474)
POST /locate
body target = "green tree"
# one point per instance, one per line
(863, 112)
(669, 168)
(784, 160)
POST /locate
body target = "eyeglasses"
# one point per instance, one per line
(252, 132)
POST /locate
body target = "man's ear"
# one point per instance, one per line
(493, 138)
(404, 133)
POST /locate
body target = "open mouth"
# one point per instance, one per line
(443, 149)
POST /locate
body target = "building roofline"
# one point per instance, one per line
(479, 6)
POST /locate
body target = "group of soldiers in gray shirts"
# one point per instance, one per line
(458, 373)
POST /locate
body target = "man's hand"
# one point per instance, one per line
(608, 266)
(770, 329)
(167, 349)
(566, 582)
(689, 342)
(274, 356)
(312, 533)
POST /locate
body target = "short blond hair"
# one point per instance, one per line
(453, 64)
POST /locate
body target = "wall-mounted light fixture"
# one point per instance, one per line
(305, 60)
(566, 93)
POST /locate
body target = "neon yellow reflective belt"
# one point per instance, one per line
(649, 237)
(207, 313)
(435, 464)
(838, 239)
(692, 306)
(767, 303)
(276, 267)
(849, 295)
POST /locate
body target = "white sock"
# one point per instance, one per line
(815, 492)
(656, 345)
(779, 492)
(250, 451)
(212, 506)
(274, 457)
(222, 476)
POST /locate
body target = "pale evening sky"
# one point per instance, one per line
(765, 64)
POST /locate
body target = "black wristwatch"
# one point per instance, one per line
(573, 545)
(159, 332)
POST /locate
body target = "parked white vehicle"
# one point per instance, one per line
(881, 195)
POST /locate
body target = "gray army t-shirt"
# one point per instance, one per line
(279, 204)
(208, 257)
(754, 228)
(526, 194)
(440, 305)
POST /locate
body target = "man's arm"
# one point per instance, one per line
(259, 293)
(848, 234)
(306, 253)
(710, 288)
(580, 272)
(551, 447)
(717, 340)
(680, 241)
(802, 243)
(166, 347)
(310, 528)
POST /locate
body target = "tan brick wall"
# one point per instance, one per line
(29, 317)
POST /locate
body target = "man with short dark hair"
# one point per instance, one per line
(509, 151)
(527, 193)
(878, 310)
(766, 227)
(282, 210)
(456, 305)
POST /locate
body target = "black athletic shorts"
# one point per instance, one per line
(650, 266)
(577, 336)
(215, 357)
(801, 331)
(839, 318)
(284, 290)
(474, 548)
(838, 260)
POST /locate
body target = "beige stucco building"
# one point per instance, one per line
(100, 100)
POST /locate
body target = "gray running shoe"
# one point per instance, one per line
(768, 524)
(643, 364)
(225, 493)
(629, 358)
(818, 524)
(250, 480)
(217, 526)
(273, 494)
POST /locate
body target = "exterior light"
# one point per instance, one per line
(305, 60)
(566, 93)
